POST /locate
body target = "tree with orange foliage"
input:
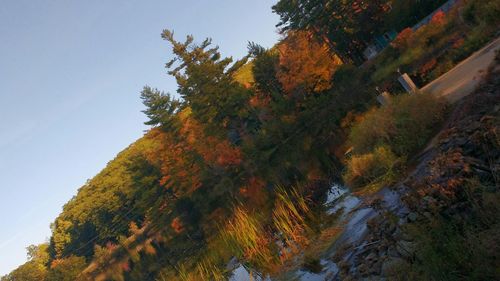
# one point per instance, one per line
(345, 25)
(213, 149)
(177, 225)
(254, 192)
(401, 41)
(66, 269)
(438, 18)
(305, 63)
(180, 172)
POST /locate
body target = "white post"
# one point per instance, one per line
(408, 84)
(384, 98)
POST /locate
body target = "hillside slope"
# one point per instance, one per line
(235, 174)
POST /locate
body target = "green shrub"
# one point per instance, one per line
(404, 125)
(66, 269)
(482, 11)
(483, 17)
(385, 136)
(443, 67)
(490, 12)
(372, 169)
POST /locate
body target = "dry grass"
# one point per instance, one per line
(290, 223)
(206, 270)
(249, 240)
(372, 170)
(269, 245)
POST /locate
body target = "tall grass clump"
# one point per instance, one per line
(203, 271)
(289, 221)
(268, 244)
(246, 235)
(207, 271)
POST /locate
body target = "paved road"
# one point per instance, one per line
(463, 78)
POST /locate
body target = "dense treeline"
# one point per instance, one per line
(247, 137)
(350, 26)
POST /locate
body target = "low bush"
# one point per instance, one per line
(373, 169)
(384, 137)
(404, 125)
(475, 39)
(476, 11)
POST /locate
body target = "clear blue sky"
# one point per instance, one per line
(70, 76)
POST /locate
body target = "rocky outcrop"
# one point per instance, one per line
(467, 149)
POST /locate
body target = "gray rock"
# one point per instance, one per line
(392, 252)
(372, 256)
(428, 215)
(232, 264)
(405, 248)
(376, 268)
(401, 235)
(412, 217)
(391, 228)
(390, 265)
(363, 269)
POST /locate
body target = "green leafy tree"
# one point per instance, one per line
(66, 269)
(30, 271)
(35, 268)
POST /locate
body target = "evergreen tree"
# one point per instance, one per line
(161, 108)
(206, 83)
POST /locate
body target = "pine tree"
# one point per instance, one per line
(206, 83)
(161, 108)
